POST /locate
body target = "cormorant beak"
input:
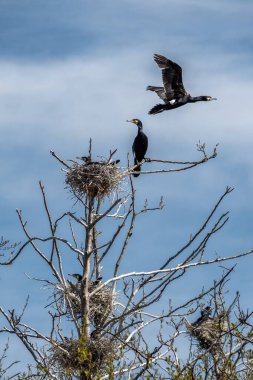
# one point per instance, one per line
(136, 122)
(213, 98)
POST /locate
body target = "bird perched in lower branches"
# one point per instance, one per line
(173, 92)
(140, 145)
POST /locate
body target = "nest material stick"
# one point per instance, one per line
(97, 179)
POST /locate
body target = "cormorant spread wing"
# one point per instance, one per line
(172, 77)
(159, 91)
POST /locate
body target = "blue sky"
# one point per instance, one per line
(74, 70)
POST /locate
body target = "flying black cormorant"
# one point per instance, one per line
(173, 92)
(140, 145)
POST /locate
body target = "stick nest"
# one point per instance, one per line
(209, 332)
(93, 179)
(91, 356)
(101, 303)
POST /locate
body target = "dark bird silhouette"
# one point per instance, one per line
(173, 92)
(77, 276)
(140, 145)
(88, 161)
(79, 279)
(205, 314)
(97, 281)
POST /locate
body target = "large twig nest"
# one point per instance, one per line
(100, 305)
(91, 356)
(95, 179)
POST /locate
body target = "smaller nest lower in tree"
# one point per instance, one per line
(101, 303)
(90, 356)
(94, 179)
(208, 333)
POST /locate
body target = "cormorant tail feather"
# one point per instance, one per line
(137, 169)
(154, 88)
(157, 109)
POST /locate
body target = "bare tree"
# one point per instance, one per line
(112, 321)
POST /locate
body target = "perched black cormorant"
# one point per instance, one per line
(97, 281)
(173, 92)
(140, 145)
(79, 279)
(205, 314)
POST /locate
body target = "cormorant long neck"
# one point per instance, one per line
(193, 99)
(140, 127)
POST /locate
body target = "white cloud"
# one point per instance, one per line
(60, 105)
(94, 96)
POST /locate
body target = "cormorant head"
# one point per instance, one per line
(98, 281)
(136, 121)
(85, 158)
(77, 276)
(206, 311)
(208, 98)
